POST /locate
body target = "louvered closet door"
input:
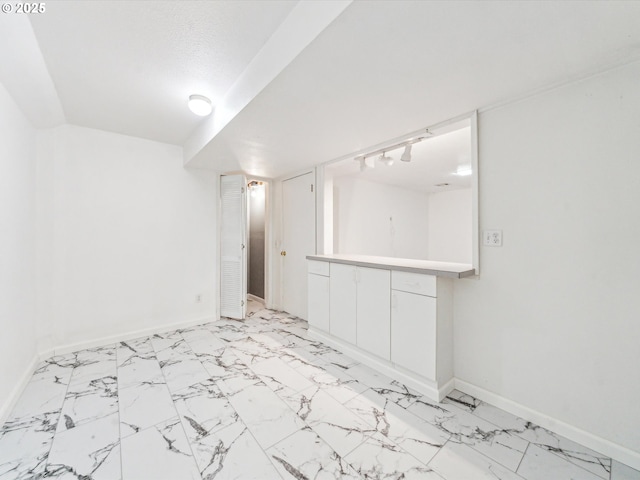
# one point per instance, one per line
(233, 254)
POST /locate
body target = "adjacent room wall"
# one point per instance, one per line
(127, 235)
(376, 219)
(553, 321)
(450, 233)
(17, 249)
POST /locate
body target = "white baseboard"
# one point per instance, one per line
(589, 440)
(13, 397)
(102, 341)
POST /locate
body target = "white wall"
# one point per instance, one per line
(362, 213)
(450, 226)
(127, 236)
(17, 248)
(553, 323)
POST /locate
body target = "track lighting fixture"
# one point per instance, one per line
(388, 161)
(406, 155)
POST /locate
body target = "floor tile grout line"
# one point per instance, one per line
(173, 403)
(525, 453)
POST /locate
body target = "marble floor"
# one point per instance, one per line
(259, 400)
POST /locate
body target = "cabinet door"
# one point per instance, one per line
(342, 307)
(374, 311)
(413, 332)
(318, 305)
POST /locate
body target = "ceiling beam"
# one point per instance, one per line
(24, 74)
(305, 22)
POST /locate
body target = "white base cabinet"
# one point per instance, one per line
(395, 321)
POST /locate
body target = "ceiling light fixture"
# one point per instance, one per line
(200, 105)
(406, 155)
(388, 161)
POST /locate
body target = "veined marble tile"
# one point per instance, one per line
(203, 409)
(305, 455)
(429, 410)
(380, 458)
(462, 401)
(620, 471)
(268, 417)
(38, 397)
(417, 437)
(228, 330)
(159, 452)
(232, 453)
(87, 402)
(502, 445)
(180, 374)
(27, 438)
(280, 377)
(88, 451)
(254, 349)
(143, 406)
(203, 342)
(171, 348)
(29, 468)
(342, 429)
(333, 381)
(540, 464)
(93, 363)
(385, 386)
(552, 442)
(137, 363)
(222, 364)
(458, 461)
(57, 369)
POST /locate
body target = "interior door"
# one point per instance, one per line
(233, 241)
(298, 240)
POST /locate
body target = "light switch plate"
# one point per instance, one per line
(492, 238)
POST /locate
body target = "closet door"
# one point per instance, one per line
(233, 241)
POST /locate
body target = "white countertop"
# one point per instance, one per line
(441, 269)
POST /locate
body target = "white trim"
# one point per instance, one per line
(111, 339)
(594, 442)
(424, 386)
(14, 395)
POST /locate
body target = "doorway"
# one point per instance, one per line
(256, 215)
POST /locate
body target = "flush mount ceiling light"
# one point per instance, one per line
(200, 105)
(406, 155)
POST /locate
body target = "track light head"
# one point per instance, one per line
(406, 155)
(388, 161)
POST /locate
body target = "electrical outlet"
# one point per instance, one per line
(492, 238)
(199, 298)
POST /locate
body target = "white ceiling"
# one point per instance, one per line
(130, 66)
(434, 162)
(381, 69)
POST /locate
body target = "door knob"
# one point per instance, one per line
(283, 253)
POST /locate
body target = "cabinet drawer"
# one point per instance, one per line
(414, 283)
(319, 268)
